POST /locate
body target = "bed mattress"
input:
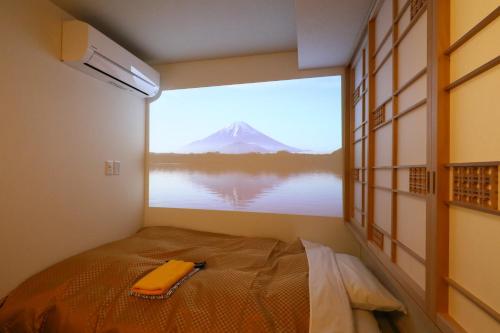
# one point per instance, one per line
(249, 285)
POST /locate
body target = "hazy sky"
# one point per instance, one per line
(302, 113)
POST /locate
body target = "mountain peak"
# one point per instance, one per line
(237, 127)
(238, 138)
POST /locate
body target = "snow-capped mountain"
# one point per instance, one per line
(237, 138)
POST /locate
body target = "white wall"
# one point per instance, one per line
(57, 126)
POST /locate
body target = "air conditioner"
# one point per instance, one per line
(89, 51)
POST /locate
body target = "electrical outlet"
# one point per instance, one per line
(116, 168)
(108, 168)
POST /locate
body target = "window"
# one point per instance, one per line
(272, 147)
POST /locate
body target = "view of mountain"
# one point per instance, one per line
(237, 138)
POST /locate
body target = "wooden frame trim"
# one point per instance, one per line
(472, 74)
(360, 210)
(410, 25)
(447, 324)
(360, 139)
(382, 63)
(411, 81)
(401, 12)
(409, 251)
(405, 248)
(412, 288)
(411, 108)
(385, 101)
(474, 207)
(387, 122)
(437, 236)
(473, 164)
(412, 194)
(474, 31)
(394, 134)
(408, 166)
(378, 187)
(382, 167)
(382, 230)
(384, 39)
(359, 87)
(474, 299)
(359, 126)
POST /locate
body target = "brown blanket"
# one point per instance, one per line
(248, 285)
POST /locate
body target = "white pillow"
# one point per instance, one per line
(365, 291)
(365, 322)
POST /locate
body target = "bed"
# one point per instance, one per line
(248, 285)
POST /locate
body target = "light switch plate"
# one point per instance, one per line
(116, 168)
(108, 168)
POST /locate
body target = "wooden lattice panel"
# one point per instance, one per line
(418, 180)
(379, 116)
(356, 174)
(415, 6)
(356, 95)
(378, 238)
(476, 185)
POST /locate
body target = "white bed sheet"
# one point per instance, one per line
(329, 306)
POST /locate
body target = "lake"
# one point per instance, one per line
(316, 193)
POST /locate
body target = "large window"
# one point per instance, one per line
(271, 147)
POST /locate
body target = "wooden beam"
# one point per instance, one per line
(474, 299)
(474, 31)
(438, 103)
(478, 71)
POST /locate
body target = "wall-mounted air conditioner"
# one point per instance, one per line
(89, 51)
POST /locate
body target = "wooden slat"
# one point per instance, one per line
(411, 108)
(402, 11)
(474, 207)
(413, 254)
(394, 134)
(384, 39)
(474, 299)
(360, 126)
(384, 60)
(378, 187)
(359, 210)
(360, 139)
(371, 134)
(447, 324)
(410, 25)
(411, 81)
(387, 122)
(412, 194)
(473, 164)
(408, 166)
(474, 31)
(387, 100)
(379, 228)
(411, 287)
(478, 71)
(382, 167)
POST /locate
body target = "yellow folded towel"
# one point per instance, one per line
(163, 278)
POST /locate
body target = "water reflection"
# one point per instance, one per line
(237, 188)
(302, 193)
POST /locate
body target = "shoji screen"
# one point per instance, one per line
(398, 173)
(359, 135)
(474, 222)
(426, 170)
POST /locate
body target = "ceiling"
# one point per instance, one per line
(164, 31)
(328, 30)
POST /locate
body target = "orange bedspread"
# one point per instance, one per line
(248, 285)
